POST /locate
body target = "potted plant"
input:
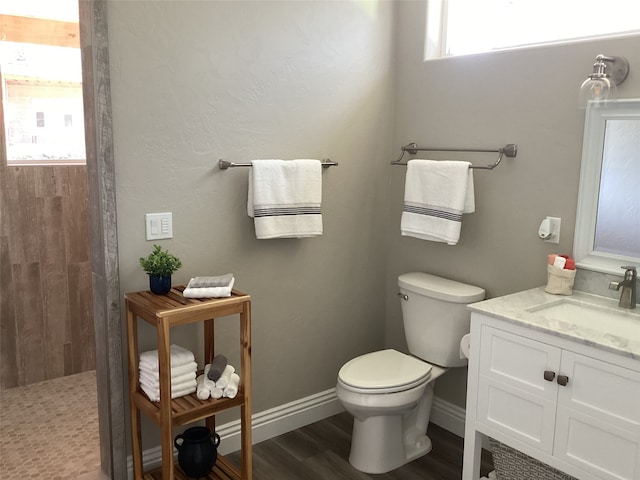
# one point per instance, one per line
(159, 265)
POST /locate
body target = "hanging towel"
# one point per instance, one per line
(436, 195)
(285, 198)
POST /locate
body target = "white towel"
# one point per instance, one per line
(223, 381)
(217, 393)
(179, 357)
(202, 392)
(154, 393)
(153, 381)
(176, 372)
(436, 195)
(208, 383)
(232, 388)
(175, 386)
(285, 198)
(208, 292)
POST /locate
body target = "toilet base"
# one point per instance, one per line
(383, 443)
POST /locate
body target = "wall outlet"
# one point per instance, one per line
(554, 229)
(159, 225)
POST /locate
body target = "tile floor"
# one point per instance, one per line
(49, 430)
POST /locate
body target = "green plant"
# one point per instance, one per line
(160, 262)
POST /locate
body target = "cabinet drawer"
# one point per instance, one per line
(519, 362)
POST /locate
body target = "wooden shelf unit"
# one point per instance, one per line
(165, 312)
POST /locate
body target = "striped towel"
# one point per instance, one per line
(436, 195)
(285, 198)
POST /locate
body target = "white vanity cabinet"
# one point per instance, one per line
(572, 406)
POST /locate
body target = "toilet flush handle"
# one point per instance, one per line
(403, 296)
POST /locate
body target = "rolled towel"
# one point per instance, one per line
(175, 371)
(179, 356)
(223, 381)
(206, 282)
(217, 393)
(208, 383)
(217, 367)
(202, 392)
(232, 388)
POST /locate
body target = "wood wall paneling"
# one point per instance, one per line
(46, 296)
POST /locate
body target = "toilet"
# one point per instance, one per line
(389, 393)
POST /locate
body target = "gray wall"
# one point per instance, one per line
(193, 82)
(525, 96)
(196, 81)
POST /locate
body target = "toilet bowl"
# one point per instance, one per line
(389, 393)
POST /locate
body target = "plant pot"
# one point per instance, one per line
(197, 451)
(159, 285)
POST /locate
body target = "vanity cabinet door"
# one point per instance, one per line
(598, 418)
(514, 398)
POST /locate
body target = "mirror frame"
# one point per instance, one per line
(590, 170)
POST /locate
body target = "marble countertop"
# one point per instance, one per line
(619, 331)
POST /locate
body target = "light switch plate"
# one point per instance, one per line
(159, 225)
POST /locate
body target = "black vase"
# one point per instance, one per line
(197, 451)
(159, 285)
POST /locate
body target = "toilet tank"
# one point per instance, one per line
(435, 316)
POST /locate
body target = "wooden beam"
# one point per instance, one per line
(40, 31)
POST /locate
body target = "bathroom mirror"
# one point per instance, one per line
(607, 232)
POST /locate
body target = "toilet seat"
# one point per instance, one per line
(384, 371)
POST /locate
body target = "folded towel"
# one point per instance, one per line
(202, 392)
(153, 380)
(154, 393)
(216, 281)
(436, 195)
(175, 386)
(284, 198)
(232, 388)
(179, 357)
(208, 292)
(217, 367)
(176, 372)
(223, 381)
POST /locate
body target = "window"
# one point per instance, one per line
(41, 82)
(459, 27)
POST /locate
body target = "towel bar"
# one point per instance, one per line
(510, 150)
(224, 164)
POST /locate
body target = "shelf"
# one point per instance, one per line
(173, 310)
(186, 409)
(222, 470)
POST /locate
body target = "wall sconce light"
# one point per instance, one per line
(602, 84)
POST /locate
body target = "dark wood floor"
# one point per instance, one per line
(321, 452)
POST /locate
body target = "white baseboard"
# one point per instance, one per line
(290, 416)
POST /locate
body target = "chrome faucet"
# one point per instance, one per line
(628, 295)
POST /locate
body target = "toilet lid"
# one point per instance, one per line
(384, 371)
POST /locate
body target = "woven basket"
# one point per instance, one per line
(510, 464)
